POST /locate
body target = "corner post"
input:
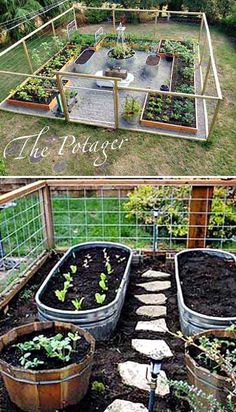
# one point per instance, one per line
(48, 217)
(199, 213)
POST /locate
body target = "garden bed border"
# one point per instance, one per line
(191, 321)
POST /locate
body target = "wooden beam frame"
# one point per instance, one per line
(199, 214)
(48, 217)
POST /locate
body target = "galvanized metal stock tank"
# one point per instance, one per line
(193, 322)
(100, 322)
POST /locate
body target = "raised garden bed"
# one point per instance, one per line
(204, 373)
(43, 363)
(83, 63)
(101, 297)
(174, 47)
(206, 283)
(41, 94)
(169, 112)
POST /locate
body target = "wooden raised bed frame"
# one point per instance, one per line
(41, 106)
(170, 126)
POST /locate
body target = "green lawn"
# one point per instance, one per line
(141, 154)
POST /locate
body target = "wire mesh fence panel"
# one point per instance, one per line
(164, 221)
(22, 237)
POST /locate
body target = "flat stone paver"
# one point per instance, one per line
(125, 406)
(152, 299)
(134, 374)
(155, 286)
(158, 325)
(156, 349)
(151, 311)
(155, 274)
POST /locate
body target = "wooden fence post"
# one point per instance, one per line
(114, 19)
(199, 213)
(47, 216)
(116, 103)
(217, 109)
(28, 57)
(63, 97)
(53, 29)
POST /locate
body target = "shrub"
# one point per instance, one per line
(173, 204)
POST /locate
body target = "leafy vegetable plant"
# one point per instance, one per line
(100, 298)
(103, 282)
(77, 303)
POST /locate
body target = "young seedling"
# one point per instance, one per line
(74, 337)
(73, 269)
(98, 386)
(61, 294)
(103, 282)
(100, 299)
(77, 303)
(27, 363)
(68, 277)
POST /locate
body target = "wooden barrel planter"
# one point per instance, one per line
(49, 389)
(211, 383)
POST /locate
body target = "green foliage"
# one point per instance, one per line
(173, 204)
(215, 9)
(229, 22)
(98, 387)
(56, 346)
(132, 108)
(61, 294)
(100, 299)
(103, 282)
(198, 400)
(73, 269)
(121, 51)
(77, 303)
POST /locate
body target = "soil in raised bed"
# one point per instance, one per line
(12, 354)
(209, 284)
(85, 56)
(86, 279)
(117, 349)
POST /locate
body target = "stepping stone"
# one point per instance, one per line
(155, 286)
(155, 274)
(152, 299)
(134, 374)
(125, 406)
(158, 325)
(156, 349)
(151, 311)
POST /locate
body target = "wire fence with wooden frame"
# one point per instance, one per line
(56, 214)
(28, 57)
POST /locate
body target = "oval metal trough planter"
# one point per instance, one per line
(100, 322)
(193, 322)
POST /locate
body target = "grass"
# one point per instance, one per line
(141, 154)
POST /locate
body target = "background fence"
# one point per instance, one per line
(56, 214)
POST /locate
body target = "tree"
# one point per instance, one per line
(215, 9)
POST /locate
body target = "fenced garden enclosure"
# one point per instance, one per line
(145, 70)
(159, 216)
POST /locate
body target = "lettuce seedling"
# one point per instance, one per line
(100, 298)
(103, 282)
(73, 269)
(77, 303)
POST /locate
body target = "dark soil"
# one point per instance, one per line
(153, 60)
(177, 78)
(85, 56)
(209, 283)
(12, 354)
(117, 349)
(86, 279)
(227, 344)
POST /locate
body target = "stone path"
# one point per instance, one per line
(153, 307)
